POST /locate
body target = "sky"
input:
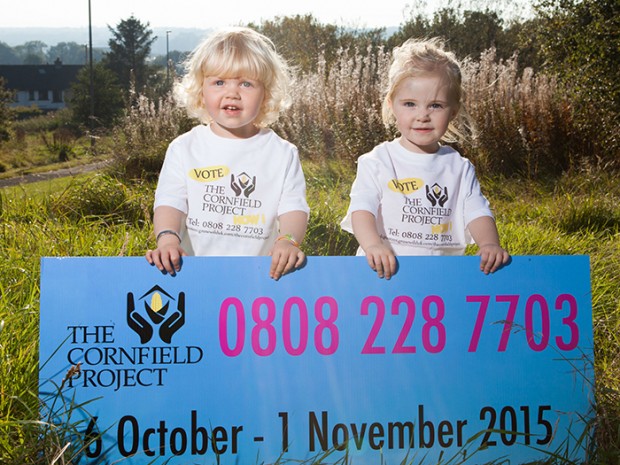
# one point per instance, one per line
(202, 14)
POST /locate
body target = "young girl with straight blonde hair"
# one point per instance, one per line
(415, 195)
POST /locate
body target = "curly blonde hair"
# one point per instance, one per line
(231, 53)
(421, 57)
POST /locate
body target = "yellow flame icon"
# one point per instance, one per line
(156, 303)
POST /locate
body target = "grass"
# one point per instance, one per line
(576, 214)
(31, 155)
(32, 228)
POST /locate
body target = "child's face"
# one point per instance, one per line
(423, 108)
(233, 104)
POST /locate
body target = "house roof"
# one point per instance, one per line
(31, 77)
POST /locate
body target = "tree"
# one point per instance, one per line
(416, 26)
(480, 31)
(467, 33)
(108, 98)
(8, 55)
(32, 52)
(579, 40)
(302, 39)
(6, 97)
(130, 47)
(69, 53)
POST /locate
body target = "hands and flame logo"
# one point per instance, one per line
(157, 315)
(437, 195)
(243, 183)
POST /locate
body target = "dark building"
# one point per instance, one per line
(45, 86)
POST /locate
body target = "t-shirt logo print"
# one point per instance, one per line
(437, 195)
(243, 183)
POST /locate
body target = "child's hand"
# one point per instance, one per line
(492, 257)
(381, 259)
(167, 255)
(285, 256)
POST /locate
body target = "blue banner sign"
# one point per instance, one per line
(221, 364)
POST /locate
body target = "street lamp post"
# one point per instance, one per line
(91, 77)
(168, 58)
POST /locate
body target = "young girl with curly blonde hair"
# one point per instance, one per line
(230, 186)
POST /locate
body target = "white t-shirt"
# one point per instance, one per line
(231, 190)
(422, 203)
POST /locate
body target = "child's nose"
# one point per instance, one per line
(423, 114)
(232, 91)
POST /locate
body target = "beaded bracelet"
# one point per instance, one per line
(168, 231)
(290, 238)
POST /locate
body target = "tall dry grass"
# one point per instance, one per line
(336, 110)
(142, 136)
(526, 123)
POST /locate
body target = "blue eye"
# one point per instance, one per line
(219, 82)
(409, 104)
(246, 84)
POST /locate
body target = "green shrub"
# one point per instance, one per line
(101, 197)
(39, 122)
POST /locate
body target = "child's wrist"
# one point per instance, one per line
(373, 245)
(289, 238)
(167, 232)
(489, 244)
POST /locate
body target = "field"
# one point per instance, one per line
(549, 199)
(96, 215)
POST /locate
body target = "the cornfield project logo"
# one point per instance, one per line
(100, 359)
(243, 183)
(437, 195)
(156, 312)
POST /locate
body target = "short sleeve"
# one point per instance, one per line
(475, 203)
(365, 191)
(172, 185)
(293, 196)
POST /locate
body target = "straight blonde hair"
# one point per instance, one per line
(423, 57)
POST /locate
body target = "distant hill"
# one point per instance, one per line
(181, 39)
